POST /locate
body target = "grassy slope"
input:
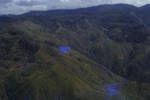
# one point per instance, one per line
(108, 38)
(46, 74)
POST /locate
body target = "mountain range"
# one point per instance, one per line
(94, 53)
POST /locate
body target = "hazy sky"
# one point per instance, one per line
(22, 6)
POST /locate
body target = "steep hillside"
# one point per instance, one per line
(36, 66)
(92, 53)
(115, 36)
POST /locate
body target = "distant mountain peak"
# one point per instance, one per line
(146, 6)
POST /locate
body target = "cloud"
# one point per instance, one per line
(22, 6)
(5, 1)
(29, 2)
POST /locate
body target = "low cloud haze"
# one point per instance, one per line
(22, 6)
